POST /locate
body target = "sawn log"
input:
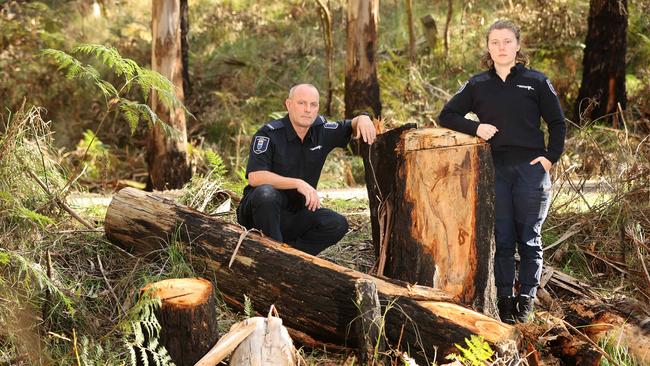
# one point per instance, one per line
(312, 295)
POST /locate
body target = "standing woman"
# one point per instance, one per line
(509, 100)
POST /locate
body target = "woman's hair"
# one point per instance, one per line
(521, 58)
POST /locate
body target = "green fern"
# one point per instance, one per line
(142, 333)
(477, 353)
(40, 219)
(248, 307)
(215, 163)
(148, 81)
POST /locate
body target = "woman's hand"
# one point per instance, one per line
(545, 163)
(486, 131)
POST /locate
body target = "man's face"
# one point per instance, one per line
(303, 106)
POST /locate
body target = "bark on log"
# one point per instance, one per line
(441, 188)
(371, 339)
(315, 296)
(187, 317)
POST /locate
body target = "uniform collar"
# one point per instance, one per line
(518, 68)
(291, 133)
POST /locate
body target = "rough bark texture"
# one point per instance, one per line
(361, 84)
(443, 214)
(380, 165)
(369, 328)
(167, 158)
(185, 47)
(187, 317)
(313, 295)
(603, 73)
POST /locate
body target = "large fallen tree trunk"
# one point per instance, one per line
(313, 296)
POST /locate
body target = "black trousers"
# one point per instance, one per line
(266, 209)
(522, 201)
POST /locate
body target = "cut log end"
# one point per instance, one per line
(181, 292)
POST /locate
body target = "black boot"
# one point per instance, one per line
(506, 307)
(525, 307)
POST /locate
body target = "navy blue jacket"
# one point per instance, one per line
(514, 107)
(276, 148)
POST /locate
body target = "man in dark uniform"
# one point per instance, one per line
(284, 165)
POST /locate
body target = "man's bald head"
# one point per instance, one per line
(300, 88)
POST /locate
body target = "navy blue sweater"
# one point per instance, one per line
(514, 107)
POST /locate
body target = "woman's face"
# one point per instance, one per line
(503, 47)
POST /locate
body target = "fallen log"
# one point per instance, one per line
(315, 296)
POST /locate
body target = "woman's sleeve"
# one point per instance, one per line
(453, 113)
(552, 114)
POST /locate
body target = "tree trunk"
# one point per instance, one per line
(603, 64)
(187, 317)
(411, 30)
(167, 159)
(326, 23)
(361, 84)
(315, 296)
(185, 47)
(442, 195)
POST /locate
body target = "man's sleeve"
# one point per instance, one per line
(554, 118)
(341, 132)
(260, 156)
(453, 113)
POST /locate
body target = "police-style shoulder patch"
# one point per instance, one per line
(260, 144)
(331, 125)
(550, 86)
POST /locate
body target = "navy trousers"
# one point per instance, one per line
(266, 209)
(522, 200)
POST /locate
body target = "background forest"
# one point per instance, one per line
(67, 295)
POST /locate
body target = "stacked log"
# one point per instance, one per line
(315, 296)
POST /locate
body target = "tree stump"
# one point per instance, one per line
(441, 232)
(187, 317)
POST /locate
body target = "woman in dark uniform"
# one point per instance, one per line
(509, 100)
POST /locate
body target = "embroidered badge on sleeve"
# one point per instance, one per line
(331, 125)
(260, 144)
(550, 86)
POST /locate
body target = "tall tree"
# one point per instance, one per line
(603, 73)
(326, 22)
(411, 29)
(185, 48)
(167, 157)
(361, 84)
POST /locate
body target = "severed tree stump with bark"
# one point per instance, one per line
(315, 296)
(440, 188)
(187, 317)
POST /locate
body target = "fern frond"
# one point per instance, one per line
(216, 164)
(111, 58)
(248, 307)
(131, 114)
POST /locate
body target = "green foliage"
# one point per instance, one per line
(127, 69)
(619, 353)
(477, 353)
(248, 307)
(142, 332)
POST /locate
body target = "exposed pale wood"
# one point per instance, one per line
(227, 343)
(187, 317)
(268, 344)
(369, 327)
(431, 138)
(443, 223)
(315, 296)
